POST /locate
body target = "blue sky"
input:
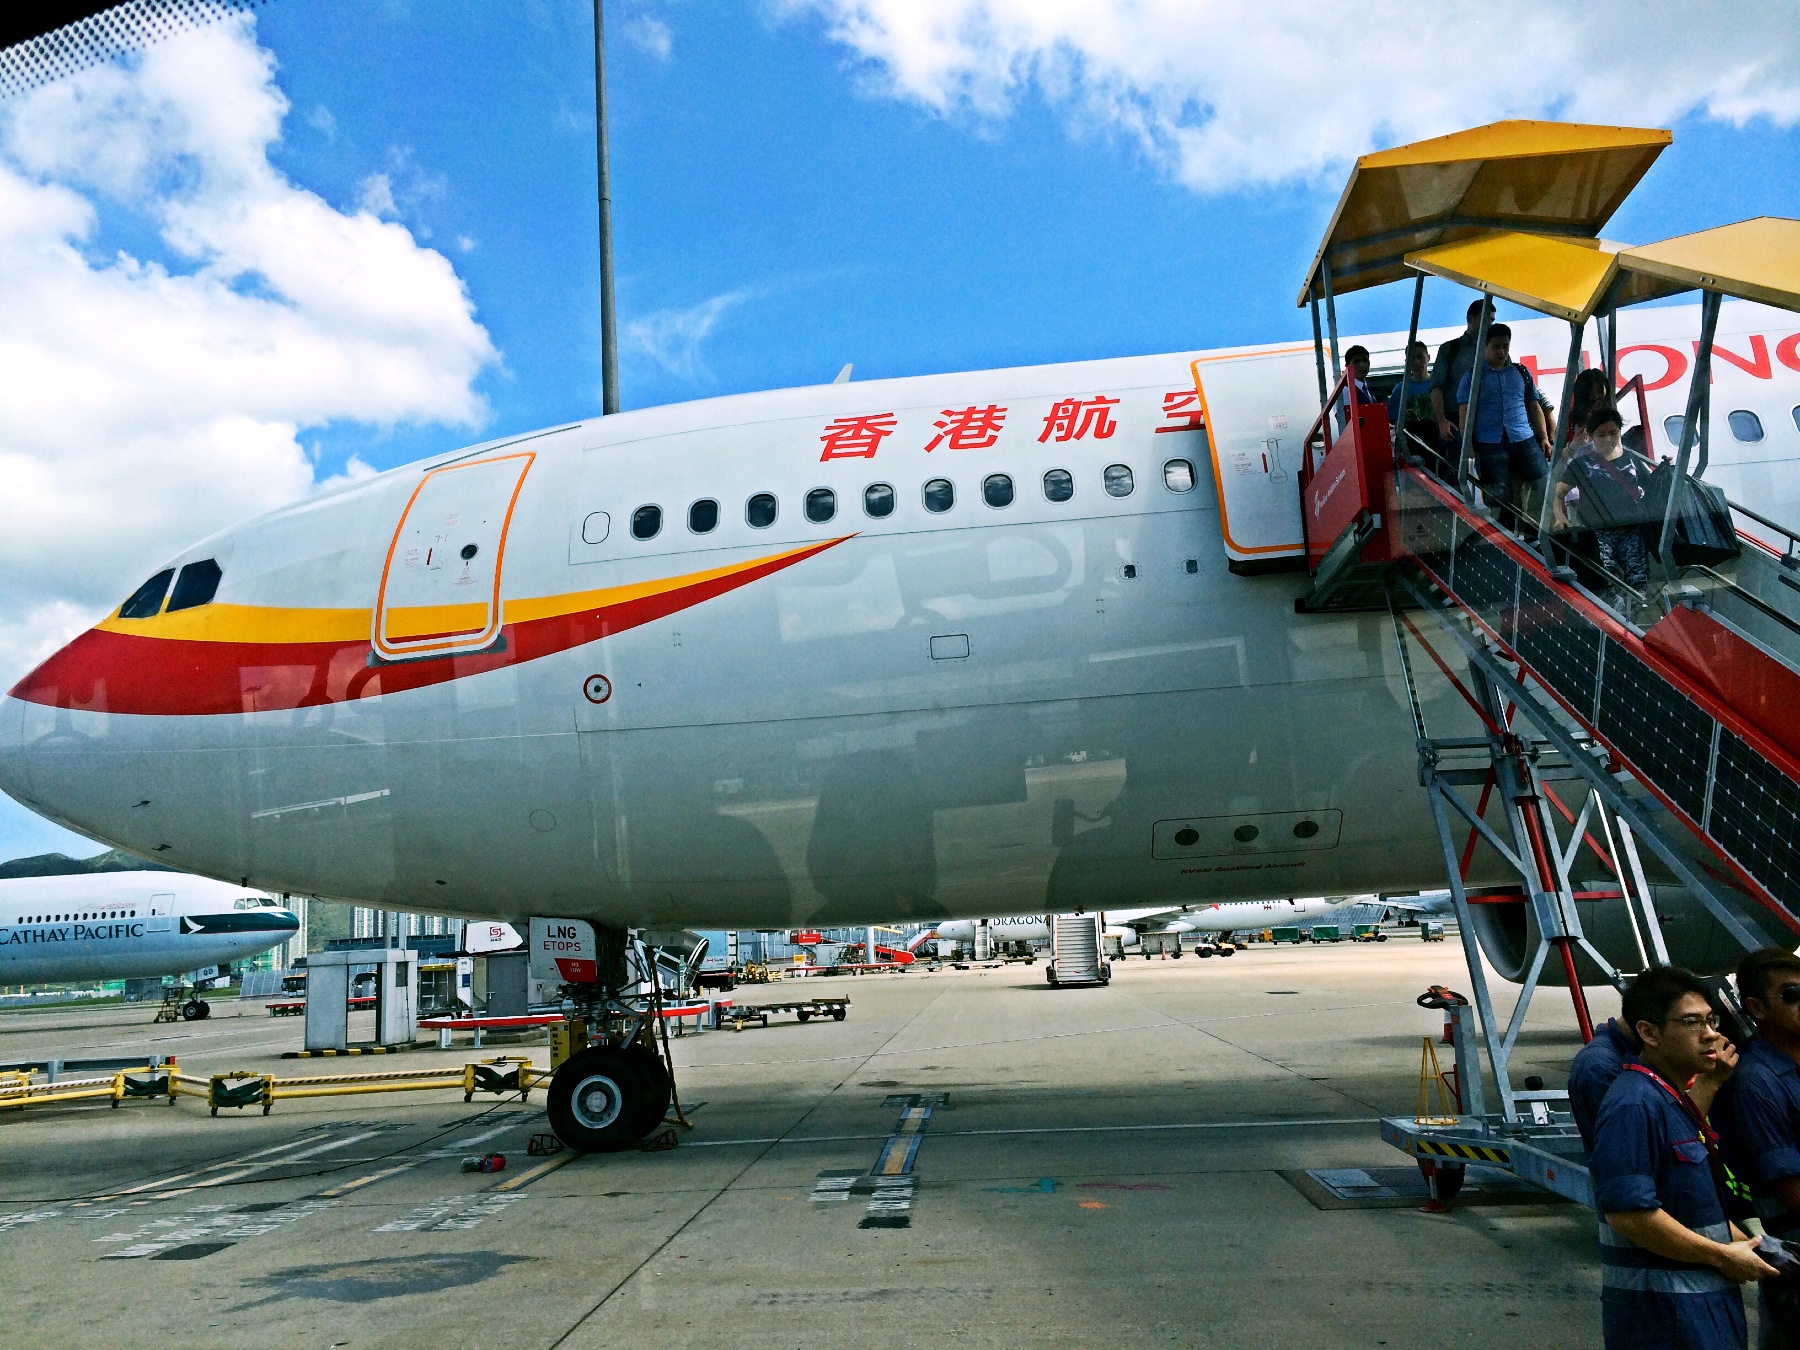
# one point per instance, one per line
(809, 198)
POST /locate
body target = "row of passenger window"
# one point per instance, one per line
(1745, 426)
(878, 499)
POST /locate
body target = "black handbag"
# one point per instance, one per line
(1704, 533)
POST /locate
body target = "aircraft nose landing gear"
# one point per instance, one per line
(196, 1010)
(605, 1098)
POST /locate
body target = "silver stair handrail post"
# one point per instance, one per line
(1691, 429)
(1468, 426)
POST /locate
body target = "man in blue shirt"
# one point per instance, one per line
(1759, 1120)
(1512, 442)
(1602, 1059)
(1671, 1260)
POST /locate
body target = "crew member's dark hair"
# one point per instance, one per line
(1590, 393)
(1358, 350)
(1419, 347)
(1756, 972)
(1498, 332)
(1601, 417)
(1649, 997)
(1475, 307)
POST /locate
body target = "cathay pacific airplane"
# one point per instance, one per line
(1222, 918)
(131, 925)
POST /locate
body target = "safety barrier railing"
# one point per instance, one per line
(1730, 782)
(18, 1090)
(241, 1088)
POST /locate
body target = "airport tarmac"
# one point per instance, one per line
(1099, 1166)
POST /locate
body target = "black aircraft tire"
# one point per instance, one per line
(654, 1104)
(597, 1098)
(205, 1010)
(190, 1011)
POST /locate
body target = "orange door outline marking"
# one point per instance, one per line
(1212, 439)
(452, 642)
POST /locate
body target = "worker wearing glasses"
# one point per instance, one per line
(1759, 1121)
(1671, 1259)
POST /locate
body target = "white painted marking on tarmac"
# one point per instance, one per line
(449, 1213)
(1048, 1129)
(302, 1155)
(8, 1222)
(204, 1223)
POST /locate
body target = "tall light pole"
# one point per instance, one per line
(609, 331)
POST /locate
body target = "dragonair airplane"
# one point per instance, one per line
(1132, 925)
(1021, 640)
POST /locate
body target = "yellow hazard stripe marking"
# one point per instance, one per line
(542, 1169)
(1470, 1152)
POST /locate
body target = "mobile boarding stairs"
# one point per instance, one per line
(1630, 738)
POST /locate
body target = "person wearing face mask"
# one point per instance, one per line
(1671, 1258)
(1611, 486)
(1758, 1117)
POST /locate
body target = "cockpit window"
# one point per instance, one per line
(146, 600)
(197, 585)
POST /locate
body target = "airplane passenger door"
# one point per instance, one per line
(1257, 408)
(440, 584)
(162, 907)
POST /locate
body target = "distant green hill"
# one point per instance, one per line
(62, 865)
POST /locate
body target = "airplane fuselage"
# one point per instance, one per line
(887, 651)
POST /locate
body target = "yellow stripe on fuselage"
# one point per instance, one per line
(272, 624)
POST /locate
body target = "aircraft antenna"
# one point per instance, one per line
(609, 332)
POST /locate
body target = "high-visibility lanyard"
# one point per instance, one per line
(1707, 1135)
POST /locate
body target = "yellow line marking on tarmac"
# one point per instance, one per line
(542, 1169)
(360, 1182)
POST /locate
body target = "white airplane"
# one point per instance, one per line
(801, 658)
(1021, 640)
(1132, 925)
(132, 925)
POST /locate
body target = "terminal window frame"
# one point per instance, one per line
(1118, 480)
(1059, 481)
(760, 510)
(997, 485)
(939, 495)
(703, 509)
(646, 521)
(821, 505)
(195, 585)
(879, 495)
(1746, 426)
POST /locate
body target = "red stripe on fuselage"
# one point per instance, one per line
(109, 672)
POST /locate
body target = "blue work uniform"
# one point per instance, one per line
(1650, 1153)
(1758, 1118)
(1592, 1072)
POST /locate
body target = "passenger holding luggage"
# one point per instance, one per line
(1512, 446)
(1409, 406)
(1612, 486)
(1759, 1121)
(1671, 1258)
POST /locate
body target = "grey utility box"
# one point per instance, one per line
(328, 996)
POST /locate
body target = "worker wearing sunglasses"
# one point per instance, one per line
(1758, 1119)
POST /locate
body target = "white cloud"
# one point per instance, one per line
(321, 121)
(146, 403)
(1223, 95)
(375, 194)
(672, 337)
(651, 35)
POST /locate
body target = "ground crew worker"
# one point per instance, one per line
(1600, 1061)
(1759, 1121)
(1671, 1260)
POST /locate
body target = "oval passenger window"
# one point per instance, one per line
(146, 600)
(1672, 428)
(940, 495)
(1118, 480)
(1059, 485)
(703, 516)
(196, 586)
(997, 490)
(1745, 426)
(878, 500)
(646, 521)
(760, 510)
(821, 505)
(1178, 476)
(595, 526)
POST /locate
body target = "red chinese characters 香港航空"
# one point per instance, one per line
(1181, 412)
(857, 437)
(1074, 419)
(968, 428)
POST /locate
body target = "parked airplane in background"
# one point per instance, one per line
(132, 925)
(1021, 640)
(1132, 925)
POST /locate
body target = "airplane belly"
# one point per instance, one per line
(1017, 719)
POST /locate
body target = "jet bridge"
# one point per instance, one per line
(1636, 737)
